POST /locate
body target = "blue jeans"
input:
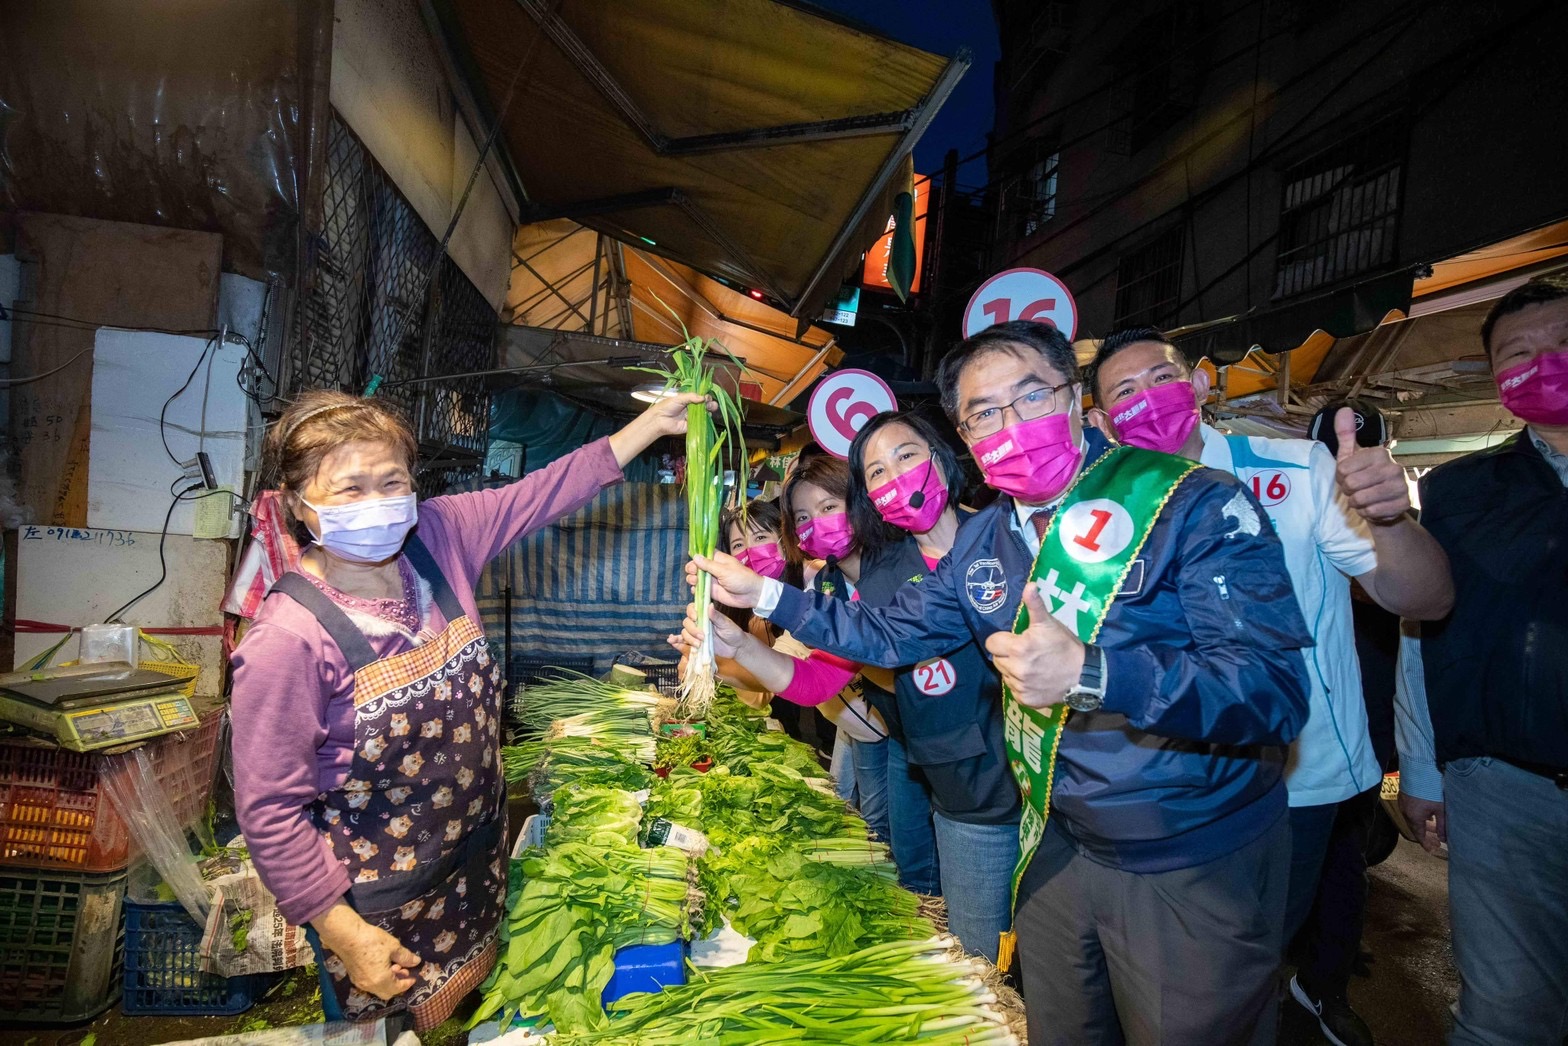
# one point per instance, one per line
(909, 817)
(1310, 828)
(870, 774)
(842, 766)
(895, 803)
(1507, 903)
(977, 862)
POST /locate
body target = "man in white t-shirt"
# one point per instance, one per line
(1338, 516)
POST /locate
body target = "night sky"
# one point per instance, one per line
(942, 27)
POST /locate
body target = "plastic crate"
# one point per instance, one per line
(61, 945)
(646, 968)
(163, 974)
(55, 812)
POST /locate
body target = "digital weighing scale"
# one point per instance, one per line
(87, 707)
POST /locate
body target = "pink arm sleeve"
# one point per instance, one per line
(480, 523)
(818, 679)
(280, 722)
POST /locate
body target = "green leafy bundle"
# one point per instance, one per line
(740, 750)
(827, 898)
(597, 816)
(912, 992)
(682, 750)
(577, 905)
(771, 801)
(573, 762)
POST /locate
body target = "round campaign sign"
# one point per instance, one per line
(1022, 294)
(1093, 531)
(843, 402)
(936, 677)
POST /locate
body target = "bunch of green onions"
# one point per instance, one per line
(902, 991)
(575, 695)
(705, 444)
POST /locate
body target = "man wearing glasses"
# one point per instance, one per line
(1138, 609)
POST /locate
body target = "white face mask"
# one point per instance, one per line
(370, 530)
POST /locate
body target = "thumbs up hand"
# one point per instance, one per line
(1369, 477)
(1041, 663)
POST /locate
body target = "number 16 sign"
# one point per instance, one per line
(1022, 294)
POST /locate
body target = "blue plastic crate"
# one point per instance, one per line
(163, 974)
(646, 968)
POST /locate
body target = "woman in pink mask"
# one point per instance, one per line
(815, 532)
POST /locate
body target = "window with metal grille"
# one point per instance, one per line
(1148, 281)
(370, 306)
(1029, 195)
(1339, 215)
(1158, 76)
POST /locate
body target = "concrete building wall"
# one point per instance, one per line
(1189, 116)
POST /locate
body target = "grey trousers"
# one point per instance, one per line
(1507, 904)
(1184, 957)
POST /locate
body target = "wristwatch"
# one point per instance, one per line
(1089, 694)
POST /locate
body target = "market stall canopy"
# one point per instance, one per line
(568, 277)
(601, 373)
(754, 140)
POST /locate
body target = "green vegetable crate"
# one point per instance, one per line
(61, 941)
(163, 974)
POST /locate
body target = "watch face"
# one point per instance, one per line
(1084, 701)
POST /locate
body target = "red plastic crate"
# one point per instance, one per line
(55, 812)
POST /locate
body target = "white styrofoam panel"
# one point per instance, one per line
(129, 472)
(73, 576)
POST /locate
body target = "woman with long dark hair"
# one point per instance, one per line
(944, 715)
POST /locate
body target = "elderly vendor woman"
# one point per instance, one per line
(366, 703)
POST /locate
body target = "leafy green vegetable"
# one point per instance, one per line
(915, 992)
(579, 903)
(682, 750)
(239, 927)
(599, 816)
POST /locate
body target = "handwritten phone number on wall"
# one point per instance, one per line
(114, 538)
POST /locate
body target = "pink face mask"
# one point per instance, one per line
(1536, 390)
(827, 536)
(1160, 417)
(913, 501)
(766, 559)
(1033, 461)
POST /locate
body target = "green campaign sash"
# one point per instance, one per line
(1095, 536)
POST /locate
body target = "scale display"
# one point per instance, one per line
(88, 707)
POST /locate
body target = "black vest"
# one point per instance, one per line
(1497, 666)
(947, 711)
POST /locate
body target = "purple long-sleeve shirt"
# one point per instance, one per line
(293, 699)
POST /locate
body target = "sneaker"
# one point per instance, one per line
(1339, 1024)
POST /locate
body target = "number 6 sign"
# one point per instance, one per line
(841, 403)
(1022, 294)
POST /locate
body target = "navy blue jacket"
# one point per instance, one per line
(947, 711)
(1205, 678)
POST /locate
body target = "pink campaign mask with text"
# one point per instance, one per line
(913, 501)
(765, 559)
(1034, 461)
(1158, 418)
(826, 536)
(1536, 391)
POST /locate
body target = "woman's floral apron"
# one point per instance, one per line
(420, 820)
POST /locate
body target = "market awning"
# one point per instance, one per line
(568, 277)
(1340, 314)
(750, 139)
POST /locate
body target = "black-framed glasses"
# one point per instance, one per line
(1036, 403)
